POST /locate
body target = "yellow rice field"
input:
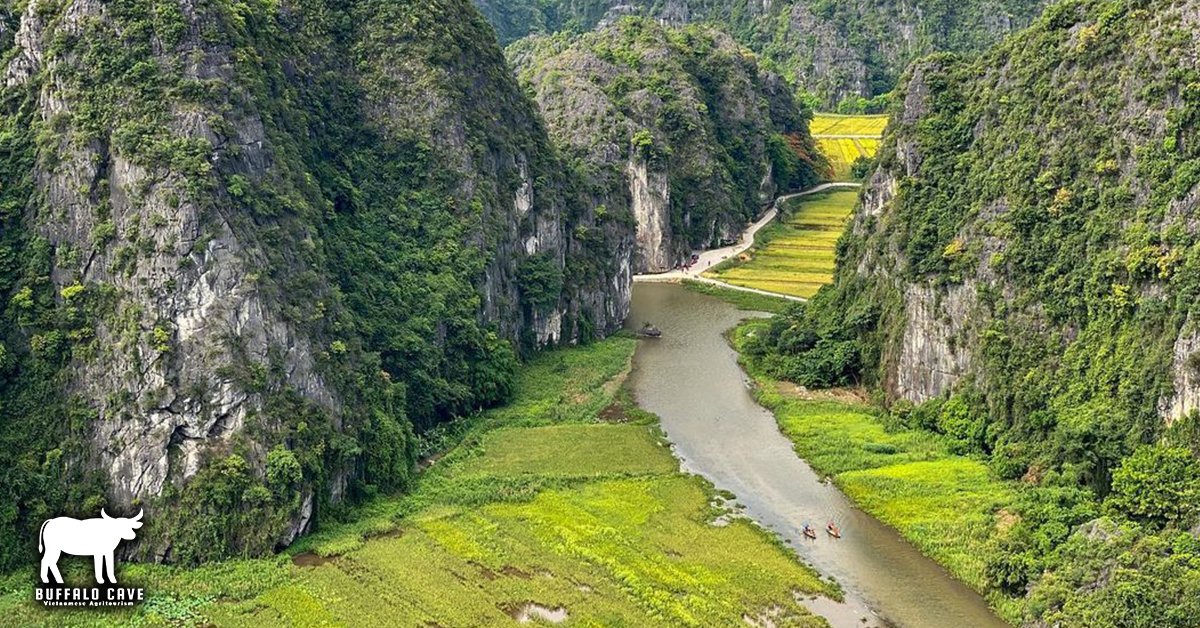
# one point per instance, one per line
(843, 139)
(795, 256)
(834, 124)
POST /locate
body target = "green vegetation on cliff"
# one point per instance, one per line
(1021, 280)
(671, 126)
(248, 248)
(567, 497)
(841, 53)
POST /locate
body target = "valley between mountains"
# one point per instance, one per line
(451, 313)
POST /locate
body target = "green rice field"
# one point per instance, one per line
(794, 256)
(564, 507)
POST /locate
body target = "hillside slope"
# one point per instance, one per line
(1032, 225)
(245, 248)
(676, 129)
(834, 50)
(1021, 277)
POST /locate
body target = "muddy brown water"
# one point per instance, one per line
(691, 379)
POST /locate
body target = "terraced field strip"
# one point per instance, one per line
(795, 256)
(843, 139)
(846, 125)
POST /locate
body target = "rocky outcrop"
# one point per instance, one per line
(916, 106)
(671, 128)
(1185, 375)
(650, 199)
(291, 265)
(934, 349)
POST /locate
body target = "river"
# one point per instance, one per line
(691, 379)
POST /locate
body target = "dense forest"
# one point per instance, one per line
(248, 250)
(677, 128)
(1021, 278)
(837, 54)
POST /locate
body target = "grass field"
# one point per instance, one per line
(543, 508)
(843, 139)
(944, 504)
(747, 301)
(793, 256)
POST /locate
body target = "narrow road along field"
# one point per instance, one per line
(795, 256)
(843, 139)
(565, 506)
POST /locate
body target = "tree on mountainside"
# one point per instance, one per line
(1157, 485)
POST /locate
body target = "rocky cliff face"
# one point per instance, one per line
(261, 243)
(1041, 266)
(177, 272)
(825, 61)
(833, 50)
(673, 129)
(650, 200)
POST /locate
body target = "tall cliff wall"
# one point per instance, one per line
(676, 130)
(247, 248)
(1029, 237)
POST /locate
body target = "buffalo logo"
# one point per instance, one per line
(97, 538)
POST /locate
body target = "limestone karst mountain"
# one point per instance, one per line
(248, 247)
(678, 127)
(836, 51)
(1021, 278)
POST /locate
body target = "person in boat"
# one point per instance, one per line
(650, 330)
(833, 530)
(808, 531)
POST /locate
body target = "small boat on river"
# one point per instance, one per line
(809, 532)
(650, 331)
(833, 530)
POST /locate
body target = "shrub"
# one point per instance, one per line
(1157, 485)
(861, 167)
(540, 282)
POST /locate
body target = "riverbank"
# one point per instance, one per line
(948, 506)
(690, 379)
(564, 505)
